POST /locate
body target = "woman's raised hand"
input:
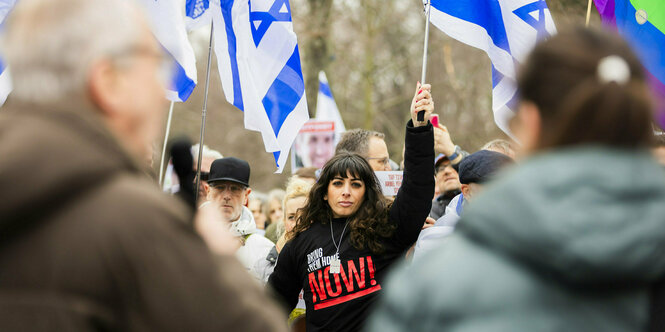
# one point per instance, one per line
(422, 101)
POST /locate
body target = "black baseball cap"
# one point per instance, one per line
(229, 169)
(481, 166)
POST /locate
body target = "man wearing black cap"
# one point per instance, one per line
(229, 187)
(474, 170)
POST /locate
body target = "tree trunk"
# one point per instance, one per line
(368, 65)
(316, 51)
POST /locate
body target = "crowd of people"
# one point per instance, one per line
(561, 231)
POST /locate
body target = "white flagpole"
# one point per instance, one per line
(203, 116)
(166, 138)
(421, 114)
(588, 14)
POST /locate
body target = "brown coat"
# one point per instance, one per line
(88, 243)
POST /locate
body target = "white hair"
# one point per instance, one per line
(207, 152)
(50, 45)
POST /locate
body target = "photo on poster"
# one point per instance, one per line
(314, 145)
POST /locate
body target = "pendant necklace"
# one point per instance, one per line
(335, 264)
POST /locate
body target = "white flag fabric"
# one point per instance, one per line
(168, 26)
(326, 108)
(5, 83)
(259, 65)
(5, 78)
(506, 29)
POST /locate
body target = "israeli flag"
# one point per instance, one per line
(197, 14)
(326, 108)
(6, 6)
(259, 64)
(506, 29)
(168, 26)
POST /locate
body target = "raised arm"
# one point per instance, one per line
(414, 199)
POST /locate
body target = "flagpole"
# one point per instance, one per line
(166, 138)
(421, 114)
(203, 117)
(588, 13)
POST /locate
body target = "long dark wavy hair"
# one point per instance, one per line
(369, 224)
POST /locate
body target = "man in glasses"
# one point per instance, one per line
(228, 182)
(87, 241)
(369, 144)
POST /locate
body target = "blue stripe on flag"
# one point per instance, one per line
(647, 41)
(484, 13)
(227, 6)
(325, 89)
(182, 84)
(285, 92)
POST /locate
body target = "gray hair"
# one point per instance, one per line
(50, 46)
(207, 152)
(357, 141)
(501, 146)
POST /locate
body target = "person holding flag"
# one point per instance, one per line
(572, 238)
(348, 235)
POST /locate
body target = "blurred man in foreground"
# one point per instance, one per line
(86, 240)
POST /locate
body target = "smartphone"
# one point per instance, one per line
(434, 119)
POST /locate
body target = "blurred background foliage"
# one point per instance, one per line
(371, 51)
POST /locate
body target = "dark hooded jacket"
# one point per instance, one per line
(569, 241)
(88, 243)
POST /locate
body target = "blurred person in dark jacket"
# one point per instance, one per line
(87, 243)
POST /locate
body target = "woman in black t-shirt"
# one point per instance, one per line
(348, 234)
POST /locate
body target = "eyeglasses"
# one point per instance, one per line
(235, 189)
(382, 160)
(441, 168)
(166, 64)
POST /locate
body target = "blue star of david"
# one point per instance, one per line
(267, 18)
(539, 24)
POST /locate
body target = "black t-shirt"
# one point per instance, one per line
(340, 301)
